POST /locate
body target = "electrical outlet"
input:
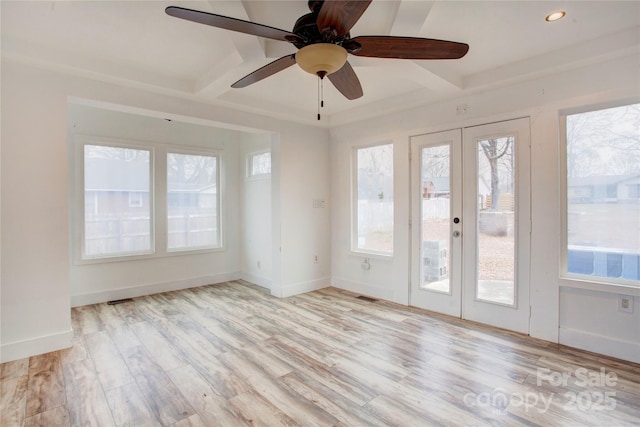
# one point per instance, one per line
(625, 303)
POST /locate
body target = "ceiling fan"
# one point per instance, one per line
(323, 40)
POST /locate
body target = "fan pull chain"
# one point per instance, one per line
(320, 94)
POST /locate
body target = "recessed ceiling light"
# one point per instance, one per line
(554, 16)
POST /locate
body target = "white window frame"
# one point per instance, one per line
(205, 153)
(355, 249)
(157, 199)
(79, 217)
(249, 165)
(576, 280)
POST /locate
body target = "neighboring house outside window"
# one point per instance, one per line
(602, 203)
(120, 185)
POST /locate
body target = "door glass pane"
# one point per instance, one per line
(496, 209)
(436, 227)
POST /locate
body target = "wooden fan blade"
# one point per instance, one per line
(409, 48)
(337, 17)
(232, 24)
(266, 71)
(346, 81)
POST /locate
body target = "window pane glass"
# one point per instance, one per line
(496, 212)
(436, 227)
(192, 201)
(603, 193)
(375, 199)
(260, 164)
(117, 214)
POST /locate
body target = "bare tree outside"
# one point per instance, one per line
(498, 152)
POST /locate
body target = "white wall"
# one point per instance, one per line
(99, 282)
(387, 277)
(300, 175)
(35, 245)
(552, 307)
(255, 213)
(36, 272)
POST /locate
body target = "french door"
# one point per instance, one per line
(470, 219)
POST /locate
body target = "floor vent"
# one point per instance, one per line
(119, 301)
(369, 299)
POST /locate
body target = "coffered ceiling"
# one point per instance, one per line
(134, 43)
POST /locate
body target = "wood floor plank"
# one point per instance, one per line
(86, 401)
(46, 387)
(165, 400)
(56, 417)
(78, 351)
(85, 320)
(161, 350)
(298, 409)
(213, 409)
(330, 401)
(109, 316)
(129, 407)
(129, 312)
(13, 401)
(14, 369)
(260, 412)
(110, 367)
(192, 421)
(231, 354)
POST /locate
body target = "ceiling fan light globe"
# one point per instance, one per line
(324, 58)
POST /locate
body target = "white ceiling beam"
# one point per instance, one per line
(215, 80)
(422, 73)
(409, 21)
(410, 18)
(249, 47)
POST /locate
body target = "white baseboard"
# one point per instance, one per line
(625, 350)
(27, 348)
(142, 290)
(300, 288)
(362, 289)
(256, 279)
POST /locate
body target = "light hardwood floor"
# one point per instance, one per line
(231, 355)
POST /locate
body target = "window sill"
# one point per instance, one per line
(371, 255)
(146, 256)
(592, 285)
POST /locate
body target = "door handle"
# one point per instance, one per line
(456, 233)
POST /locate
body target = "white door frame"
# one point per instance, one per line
(461, 301)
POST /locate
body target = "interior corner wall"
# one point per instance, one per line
(35, 242)
(104, 281)
(300, 175)
(255, 215)
(552, 308)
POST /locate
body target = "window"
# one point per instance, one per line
(119, 185)
(192, 201)
(114, 177)
(373, 204)
(259, 164)
(602, 216)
